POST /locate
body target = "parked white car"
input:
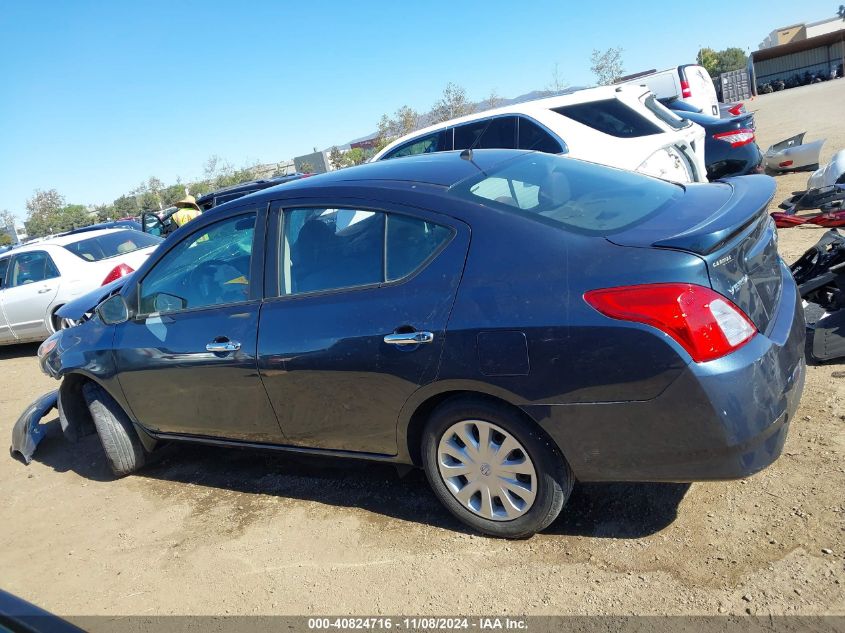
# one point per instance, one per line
(623, 127)
(37, 279)
(690, 83)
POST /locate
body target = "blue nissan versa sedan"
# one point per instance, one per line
(509, 321)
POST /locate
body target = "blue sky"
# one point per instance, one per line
(98, 96)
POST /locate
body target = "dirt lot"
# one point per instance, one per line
(207, 531)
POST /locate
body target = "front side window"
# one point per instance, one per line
(428, 144)
(112, 244)
(574, 195)
(534, 137)
(332, 249)
(31, 267)
(209, 267)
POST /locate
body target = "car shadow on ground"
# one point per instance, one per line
(19, 350)
(595, 510)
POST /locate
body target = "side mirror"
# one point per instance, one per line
(113, 310)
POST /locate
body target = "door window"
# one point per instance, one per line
(4, 266)
(496, 133)
(209, 267)
(435, 142)
(332, 249)
(31, 267)
(532, 136)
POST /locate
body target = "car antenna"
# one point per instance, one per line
(467, 155)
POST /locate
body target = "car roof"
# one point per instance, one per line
(64, 240)
(584, 95)
(442, 169)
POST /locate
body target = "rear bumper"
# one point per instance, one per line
(725, 419)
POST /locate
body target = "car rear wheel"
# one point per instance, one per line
(493, 469)
(124, 451)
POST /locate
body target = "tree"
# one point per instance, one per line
(452, 104)
(306, 168)
(493, 100)
(709, 58)
(607, 66)
(404, 121)
(43, 212)
(7, 219)
(336, 158)
(718, 62)
(5, 239)
(557, 84)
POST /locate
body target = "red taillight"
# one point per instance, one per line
(786, 163)
(737, 138)
(705, 323)
(117, 272)
(736, 109)
(686, 93)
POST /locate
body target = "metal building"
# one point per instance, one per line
(816, 55)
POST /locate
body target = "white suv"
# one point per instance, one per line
(620, 126)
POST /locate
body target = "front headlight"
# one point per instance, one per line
(49, 345)
(667, 163)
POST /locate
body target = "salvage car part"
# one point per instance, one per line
(820, 274)
(792, 154)
(813, 198)
(833, 173)
(27, 432)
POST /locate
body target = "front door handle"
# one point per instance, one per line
(43, 290)
(409, 338)
(223, 346)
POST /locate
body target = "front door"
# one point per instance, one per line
(6, 335)
(363, 301)
(33, 282)
(187, 362)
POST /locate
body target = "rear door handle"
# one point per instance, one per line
(223, 346)
(43, 290)
(409, 338)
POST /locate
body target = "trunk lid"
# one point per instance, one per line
(728, 226)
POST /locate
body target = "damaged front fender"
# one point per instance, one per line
(27, 432)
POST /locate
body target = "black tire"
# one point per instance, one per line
(123, 449)
(554, 478)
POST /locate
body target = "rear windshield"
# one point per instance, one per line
(665, 114)
(111, 244)
(581, 197)
(610, 116)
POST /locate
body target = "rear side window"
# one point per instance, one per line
(428, 144)
(534, 137)
(610, 116)
(581, 197)
(333, 249)
(113, 244)
(410, 242)
(496, 133)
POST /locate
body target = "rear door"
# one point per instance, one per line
(698, 89)
(362, 298)
(33, 282)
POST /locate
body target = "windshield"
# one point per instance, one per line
(578, 196)
(111, 244)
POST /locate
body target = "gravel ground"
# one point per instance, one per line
(208, 531)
